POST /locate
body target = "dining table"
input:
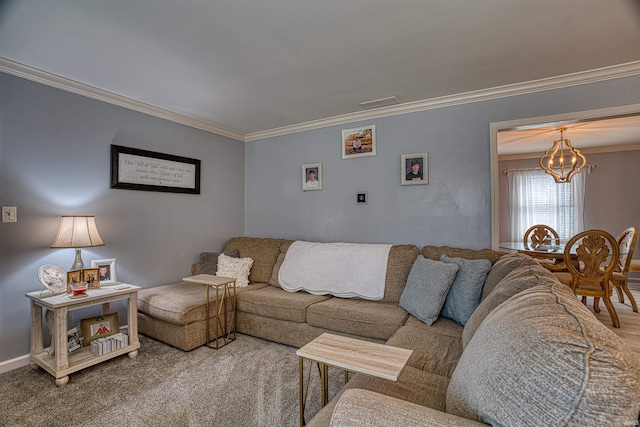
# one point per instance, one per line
(543, 251)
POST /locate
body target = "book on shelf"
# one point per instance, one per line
(108, 344)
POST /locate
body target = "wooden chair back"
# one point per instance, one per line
(598, 255)
(626, 243)
(540, 234)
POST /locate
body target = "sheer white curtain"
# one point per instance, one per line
(535, 198)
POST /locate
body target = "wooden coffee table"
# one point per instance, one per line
(351, 355)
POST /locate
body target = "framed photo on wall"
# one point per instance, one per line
(414, 169)
(107, 270)
(312, 177)
(359, 142)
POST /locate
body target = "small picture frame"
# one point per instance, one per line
(74, 338)
(91, 276)
(73, 278)
(359, 142)
(414, 169)
(107, 271)
(98, 327)
(362, 198)
(312, 176)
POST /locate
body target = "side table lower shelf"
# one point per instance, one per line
(78, 360)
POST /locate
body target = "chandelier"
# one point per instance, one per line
(562, 161)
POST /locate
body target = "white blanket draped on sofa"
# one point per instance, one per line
(339, 269)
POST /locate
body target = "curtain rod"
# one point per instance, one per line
(588, 166)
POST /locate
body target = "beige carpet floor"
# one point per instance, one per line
(250, 382)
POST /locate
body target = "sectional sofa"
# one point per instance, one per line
(529, 354)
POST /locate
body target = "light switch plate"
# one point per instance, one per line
(9, 214)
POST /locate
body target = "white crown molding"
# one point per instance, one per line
(24, 71)
(567, 80)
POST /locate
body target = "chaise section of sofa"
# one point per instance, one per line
(175, 313)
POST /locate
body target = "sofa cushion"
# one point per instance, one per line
(521, 278)
(209, 261)
(464, 294)
(401, 259)
(278, 304)
(427, 287)
(501, 268)
(413, 385)
(436, 348)
(434, 253)
(237, 268)
(357, 408)
(542, 358)
(284, 247)
(263, 251)
(181, 303)
(354, 316)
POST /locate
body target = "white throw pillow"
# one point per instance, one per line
(237, 268)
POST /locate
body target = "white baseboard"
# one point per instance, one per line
(18, 362)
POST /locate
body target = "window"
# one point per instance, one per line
(535, 198)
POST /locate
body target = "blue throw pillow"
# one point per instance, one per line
(427, 287)
(466, 290)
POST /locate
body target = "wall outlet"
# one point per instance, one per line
(9, 214)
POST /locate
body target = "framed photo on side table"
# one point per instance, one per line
(74, 277)
(91, 276)
(107, 271)
(414, 169)
(98, 327)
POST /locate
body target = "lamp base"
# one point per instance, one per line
(77, 263)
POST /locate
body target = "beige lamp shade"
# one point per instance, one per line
(77, 232)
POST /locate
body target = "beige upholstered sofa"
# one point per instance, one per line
(530, 354)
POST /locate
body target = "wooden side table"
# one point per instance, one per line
(61, 364)
(350, 355)
(227, 331)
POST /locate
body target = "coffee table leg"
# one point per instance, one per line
(301, 382)
(206, 316)
(324, 379)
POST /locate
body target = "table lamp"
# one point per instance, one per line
(77, 232)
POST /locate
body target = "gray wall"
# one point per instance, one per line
(55, 159)
(610, 201)
(453, 209)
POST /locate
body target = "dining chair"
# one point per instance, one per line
(619, 277)
(543, 235)
(598, 254)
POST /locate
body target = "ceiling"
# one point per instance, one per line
(246, 67)
(606, 134)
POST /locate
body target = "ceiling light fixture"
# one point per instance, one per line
(562, 161)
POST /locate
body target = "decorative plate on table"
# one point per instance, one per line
(53, 278)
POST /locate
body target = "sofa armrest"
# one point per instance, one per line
(358, 407)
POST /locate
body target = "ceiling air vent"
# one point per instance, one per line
(382, 102)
